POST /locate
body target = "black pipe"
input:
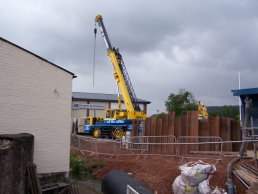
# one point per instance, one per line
(231, 187)
(116, 181)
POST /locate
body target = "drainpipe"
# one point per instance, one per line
(229, 184)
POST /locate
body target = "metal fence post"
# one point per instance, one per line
(115, 147)
(148, 144)
(79, 143)
(177, 146)
(96, 146)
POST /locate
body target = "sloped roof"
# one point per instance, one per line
(101, 97)
(4, 40)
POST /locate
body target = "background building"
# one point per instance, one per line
(94, 104)
(252, 95)
(36, 98)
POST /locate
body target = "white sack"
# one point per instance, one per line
(194, 173)
(179, 187)
(204, 188)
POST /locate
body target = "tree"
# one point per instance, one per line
(181, 102)
(224, 111)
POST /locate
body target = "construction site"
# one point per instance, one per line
(154, 157)
(119, 145)
(155, 150)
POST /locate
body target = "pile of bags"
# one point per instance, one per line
(194, 179)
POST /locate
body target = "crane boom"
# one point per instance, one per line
(121, 76)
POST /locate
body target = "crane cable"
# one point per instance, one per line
(94, 53)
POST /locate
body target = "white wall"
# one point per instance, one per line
(29, 104)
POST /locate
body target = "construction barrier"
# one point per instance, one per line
(184, 146)
(155, 145)
(191, 144)
(94, 145)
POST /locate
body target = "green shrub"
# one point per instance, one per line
(161, 115)
(76, 165)
(96, 164)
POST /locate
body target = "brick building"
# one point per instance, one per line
(36, 98)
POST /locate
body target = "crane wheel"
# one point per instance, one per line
(118, 133)
(96, 133)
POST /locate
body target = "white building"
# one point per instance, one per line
(36, 98)
(95, 104)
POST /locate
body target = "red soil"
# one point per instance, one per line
(157, 173)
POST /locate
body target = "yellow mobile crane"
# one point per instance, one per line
(117, 121)
(122, 79)
(202, 111)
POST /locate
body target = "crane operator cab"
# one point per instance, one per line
(116, 114)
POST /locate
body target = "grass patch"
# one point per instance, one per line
(78, 165)
(94, 165)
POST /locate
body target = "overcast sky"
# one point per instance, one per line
(198, 45)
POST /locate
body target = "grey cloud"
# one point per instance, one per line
(198, 45)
